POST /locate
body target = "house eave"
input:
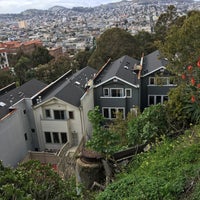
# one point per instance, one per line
(147, 74)
(115, 77)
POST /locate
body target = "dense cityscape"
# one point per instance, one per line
(75, 28)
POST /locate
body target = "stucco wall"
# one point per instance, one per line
(71, 126)
(87, 104)
(13, 145)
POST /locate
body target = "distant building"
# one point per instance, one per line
(12, 47)
(55, 52)
(22, 24)
(4, 65)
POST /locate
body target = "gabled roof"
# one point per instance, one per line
(153, 62)
(26, 90)
(122, 69)
(71, 89)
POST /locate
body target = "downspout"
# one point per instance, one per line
(81, 116)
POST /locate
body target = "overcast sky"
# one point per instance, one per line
(17, 6)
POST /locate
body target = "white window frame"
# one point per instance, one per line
(156, 81)
(52, 139)
(69, 117)
(109, 111)
(155, 96)
(122, 90)
(104, 93)
(60, 118)
(128, 89)
(47, 117)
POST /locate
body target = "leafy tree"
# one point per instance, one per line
(33, 180)
(54, 69)
(102, 140)
(6, 78)
(145, 43)
(40, 56)
(81, 59)
(119, 126)
(14, 58)
(149, 125)
(182, 49)
(113, 43)
(21, 68)
(182, 46)
(165, 21)
(178, 118)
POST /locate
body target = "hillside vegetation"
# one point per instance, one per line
(169, 171)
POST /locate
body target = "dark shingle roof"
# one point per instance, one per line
(72, 88)
(26, 90)
(121, 68)
(152, 62)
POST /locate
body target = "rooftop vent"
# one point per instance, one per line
(77, 83)
(125, 67)
(2, 104)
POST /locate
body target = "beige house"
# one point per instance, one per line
(60, 111)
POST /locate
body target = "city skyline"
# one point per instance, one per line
(17, 6)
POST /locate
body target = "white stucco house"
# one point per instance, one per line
(60, 111)
(17, 128)
(44, 118)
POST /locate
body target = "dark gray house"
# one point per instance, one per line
(156, 81)
(127, 83)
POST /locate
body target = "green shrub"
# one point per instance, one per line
(166, 172)
(147, 126)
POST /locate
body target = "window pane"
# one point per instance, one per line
(165, 98)
(63, 137)
(62, 114)
(113, 113)
(71, 114)
(55, 137)
(47, 113)
(106, 112)
(116, 93)
(121, 111)
(59, 114)
(151, 81)
(105, 92)
(56, 114)
(158, 99)
(151, 100)
(25, 136)
(47, 137)
(128, 93)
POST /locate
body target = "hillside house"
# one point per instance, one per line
(61, 111)
(17, 127)
(127, 83)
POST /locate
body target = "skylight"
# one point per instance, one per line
(2, 104)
